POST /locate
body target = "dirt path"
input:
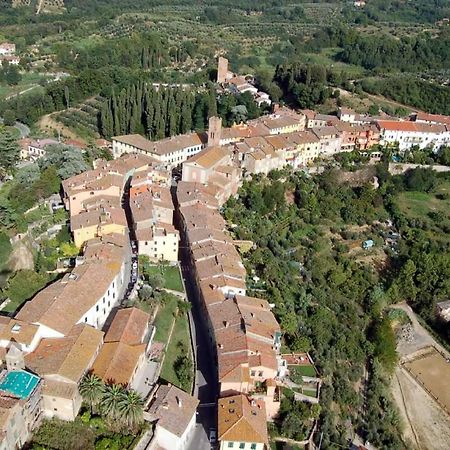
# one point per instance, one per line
(21, 258)
(421, 338)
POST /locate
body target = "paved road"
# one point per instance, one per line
(206, 388)
(23, 129)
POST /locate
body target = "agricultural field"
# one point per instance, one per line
(30, 80)
(82, 120)
(432, 370)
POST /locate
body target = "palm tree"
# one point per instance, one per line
(91, 389)
(131, 409)
(109, 403)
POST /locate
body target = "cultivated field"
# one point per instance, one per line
(432, 371)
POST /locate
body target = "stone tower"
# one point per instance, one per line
(222, 70)
(214, 131)
(14, 359)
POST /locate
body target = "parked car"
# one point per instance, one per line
(212, 436)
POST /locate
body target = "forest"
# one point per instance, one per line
(159, 112)
(328, 302)
(410, 91)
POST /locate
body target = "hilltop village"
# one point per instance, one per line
(141, 203)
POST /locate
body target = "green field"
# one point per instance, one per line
(164, 319)
(178, 346)
(296, 373)
(171, 275)
(420, 204)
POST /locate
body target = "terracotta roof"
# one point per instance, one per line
(17, 331)
(257, 317)
(197, 216)
(55, 388)
(98, 216)
(117, 362)
(164, 146)
(242, 420)
(63, 304)
(128, 326)
(189, 193)
(69, 357)
(323, 132)
(436, 118)
(419, 127)
(209, 157)
(173, 409)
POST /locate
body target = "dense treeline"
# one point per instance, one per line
(406, 54)
(141, 51)
(306, 85)
(158, 112)
(333, 304)
(326, 301)
(412, 91)
(419, 11)
(96, 70)
(381, 51)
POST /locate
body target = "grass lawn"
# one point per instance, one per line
(178, 346)
(297, 372)
(164, 319)
(29, 80)
(419, 204)
(171, 274)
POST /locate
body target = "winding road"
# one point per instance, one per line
(23, 129)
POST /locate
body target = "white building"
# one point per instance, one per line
(171, 151)
(36, 149)
(173, 412)
(6, 48)
(86, 295)
(410, 134)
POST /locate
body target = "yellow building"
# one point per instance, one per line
(96, 223)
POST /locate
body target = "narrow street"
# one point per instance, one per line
(205, 376)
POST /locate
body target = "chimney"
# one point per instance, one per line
(179, 403)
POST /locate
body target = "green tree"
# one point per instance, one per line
(9, 149)
(9, 117)
(131, 410)
(183, 369)
(92, 389)
(110, 401)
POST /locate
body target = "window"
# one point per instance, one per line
(253, 446)
(96, 308)
(85, 319)
(242, 445)
(230, 444)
